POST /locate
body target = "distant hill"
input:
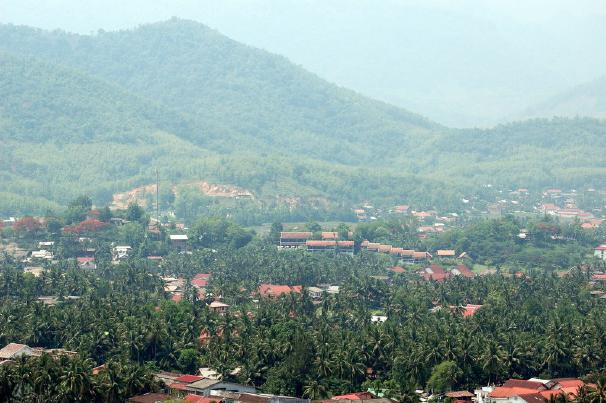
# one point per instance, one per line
(98, 114)
(587, 99)
(240, 97)
(64, 132)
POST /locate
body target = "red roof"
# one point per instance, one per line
(200, 399)
(533, 398)
(396, 251)
(97, 370)
(460, 393)
(420, 255)
(178, 386)
(385, 248)
(330, 235)
(402, 208)
(537, 392)
(435, 272)
(188, 378)
(470, 309)
(295, 235)
(601, 247)
(421, 214)
(354, 396)
(569, 382)
(83, 260)
(465, 271)
(177, 297)
(345, 243)
(598, 276)
(398, 269)
(272, 290)
(320, 243)
(522, 383)
(200, 280)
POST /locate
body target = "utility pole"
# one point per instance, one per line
(157, 200)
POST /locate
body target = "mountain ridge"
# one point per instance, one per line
(248, 119)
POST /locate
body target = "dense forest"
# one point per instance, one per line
(99, 113)
(119, 314)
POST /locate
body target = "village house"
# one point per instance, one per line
(179, 242)
(533, 390)
(470, 310)
(434, 272)
(460, 396)
(401, 209)
(346, 247)
(321, 246)
(42, 254)
(326, 235)
(14, 350)
(149, 398)
(121, 252)
(315, 292)
(86, 263)
(200, 280)
(446, 253)
(273, 290)
(419, 256)
(218, 307)
(397, 270)
(181, 385)
(294, 239)
(354, 396)
(600, 252)
(462, 270)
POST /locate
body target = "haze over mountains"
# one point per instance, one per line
(463, 64)
(99, 113)
(587, 99)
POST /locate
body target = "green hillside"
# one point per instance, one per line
(98, 114)
(239, 97)
(64, 133)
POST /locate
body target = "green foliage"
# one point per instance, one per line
(444, 376)
(246, 118)
(213, 232)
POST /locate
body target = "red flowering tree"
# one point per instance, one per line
(91, 225)
(27, 225)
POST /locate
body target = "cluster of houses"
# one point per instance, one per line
(533, 390)
(435, 272)
(14, 351)
(175, 287)
(329, 241)
(204, 389)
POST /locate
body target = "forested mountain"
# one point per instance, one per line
(587, 99)
(98, 114)
(238, 96)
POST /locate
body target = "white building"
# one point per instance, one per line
(600, 252)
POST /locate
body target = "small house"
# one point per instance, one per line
(179, 242)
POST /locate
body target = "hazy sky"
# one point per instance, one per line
(461, 62)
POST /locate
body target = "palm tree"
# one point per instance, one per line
(598, 394)
(314, 390)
